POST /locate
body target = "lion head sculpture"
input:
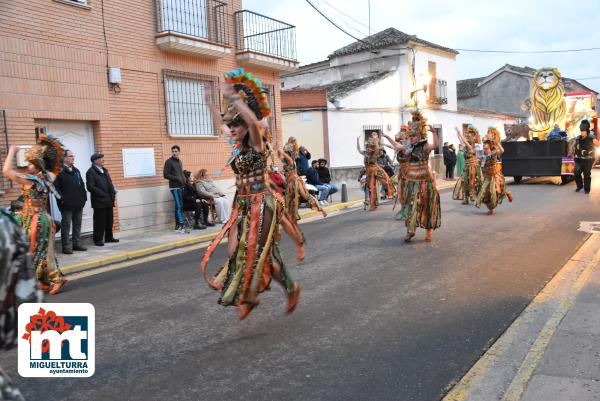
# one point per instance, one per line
(548, 106)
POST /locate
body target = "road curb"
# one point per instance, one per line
(140, 253)
(503, 371)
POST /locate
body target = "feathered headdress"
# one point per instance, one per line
(292, 147)
(493, 134)
(418, 125)
(47, 154)
(252, 92)
(472, 134)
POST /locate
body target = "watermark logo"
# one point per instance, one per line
(56, 340)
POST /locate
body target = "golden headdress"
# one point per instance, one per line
(493, 134)
(47, 154)
(292, 147)
(472, 135)
(418, 125)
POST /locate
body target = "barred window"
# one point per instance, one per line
(188, 113)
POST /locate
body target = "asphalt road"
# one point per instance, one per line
(379, 319)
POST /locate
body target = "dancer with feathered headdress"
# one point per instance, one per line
(45, 161)
(421, 207)
(258, 210)
(493, 188)
(468, 185)
(296, 188)
(403, 160)
(373, 171)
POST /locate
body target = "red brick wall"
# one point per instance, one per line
(303, 99)
(53, 67)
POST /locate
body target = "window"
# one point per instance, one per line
(431, 69)
(305, 116)
(440, 135)
(188, 113)
(188, 17)
(75, 2)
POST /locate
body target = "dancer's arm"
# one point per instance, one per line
(436, 139)
(209, 97)
(498, 147)
(8, 171)
(463, 139)
(395, 145)
(247, 115)
(358, 146)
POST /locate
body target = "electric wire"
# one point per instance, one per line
(347, 25)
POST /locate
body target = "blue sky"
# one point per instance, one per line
(522, 25)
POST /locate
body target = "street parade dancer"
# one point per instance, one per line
(253, 231)
(403, 159)
(421, 206)
(493, 188)
(17, 286)
(468, 184)
(296, 188)
(373, 171)
(45, 161)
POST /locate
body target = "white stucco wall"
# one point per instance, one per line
(445, 70)
(307, 128)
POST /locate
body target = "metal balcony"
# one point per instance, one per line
(194, 27)
(438, 90)
(265, 42)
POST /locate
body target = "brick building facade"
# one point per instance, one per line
(54, 61)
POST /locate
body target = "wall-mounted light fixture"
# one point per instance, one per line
(114, 78)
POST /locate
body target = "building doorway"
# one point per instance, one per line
(78, 137)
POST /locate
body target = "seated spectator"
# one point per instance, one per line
(302, 160)
(325, 176)
(555, 134)
(312, 178)
(208, 190)
(193, 203)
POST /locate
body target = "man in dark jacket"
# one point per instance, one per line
(302, 160)
(312, 178)
(103, 195)
(71, 187)
(173, 171)
(325, 176)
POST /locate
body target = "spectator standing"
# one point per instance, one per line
(452, 155)
(103, 194)
(325, 176)
(302, 160)
(312, 178)
(460, 160)
(446, 154)
(71, 187)
(173, 171)
(207, 188)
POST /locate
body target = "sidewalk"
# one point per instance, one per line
(552, 350)
(134, 246)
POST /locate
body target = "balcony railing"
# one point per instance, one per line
(260, 34)
(196, 20)
(438, 92)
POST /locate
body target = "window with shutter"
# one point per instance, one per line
(188, 113)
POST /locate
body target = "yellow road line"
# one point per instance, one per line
(517, 387)
(463, 389)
